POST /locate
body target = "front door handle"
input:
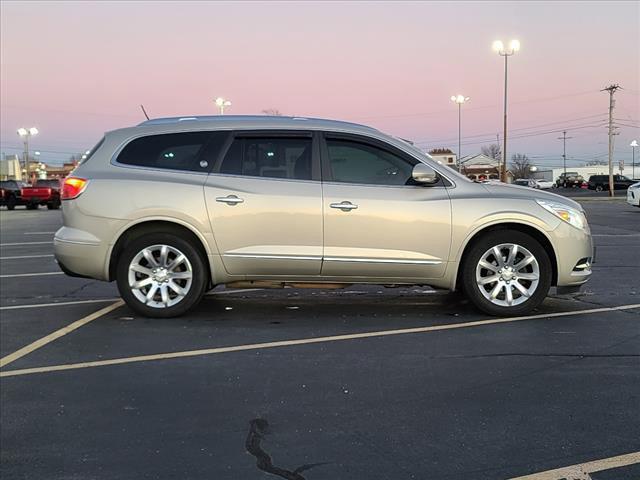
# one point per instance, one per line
(229, 200)
(345, 206)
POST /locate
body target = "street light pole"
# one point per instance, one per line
(26, 134)
(459, 99)
(498, 47)
(633, 146)
(221, 103)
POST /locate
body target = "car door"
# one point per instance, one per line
(264, 200)
(378, 222)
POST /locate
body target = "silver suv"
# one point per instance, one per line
(173, 207)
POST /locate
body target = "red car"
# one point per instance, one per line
(43, 192)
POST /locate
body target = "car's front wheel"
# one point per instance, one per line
(161, 275)
(506, 273)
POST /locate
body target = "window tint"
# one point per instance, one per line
(174, 151)
(354, 162)
(269, 157)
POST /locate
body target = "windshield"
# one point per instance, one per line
(449, 171)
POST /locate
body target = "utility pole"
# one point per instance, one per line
(564, 139)
(611, 89)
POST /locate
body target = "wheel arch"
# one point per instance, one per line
(143, 227)
(534, 232)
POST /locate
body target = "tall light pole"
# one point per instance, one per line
(633, 146)
(26, 134)
(459, 99)
(499, 48)
(221, 103)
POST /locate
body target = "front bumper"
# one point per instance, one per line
(575, 253)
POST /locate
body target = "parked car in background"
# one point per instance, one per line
(535, 183)
(43, 192)
(633, 195)
(525, 182)
(280, 201)
(601, 182)
(570, 179)
(10, 195)
(543, 184)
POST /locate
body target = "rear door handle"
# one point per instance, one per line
(229, 200)
(345, 206)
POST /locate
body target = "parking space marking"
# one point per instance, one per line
(39, 233)
(57, 334)
(58, 304)
(31, 274)
(19, 244)
(102, 300)
(305, 341)
(582, 469)
(20, 257)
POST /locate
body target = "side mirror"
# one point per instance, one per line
(424, 174)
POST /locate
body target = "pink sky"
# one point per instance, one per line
(76, 69)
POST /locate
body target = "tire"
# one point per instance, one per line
(161, 305)
(473, 273)
(11, 203)
(599, 188)
(32, 206)
(54, 205)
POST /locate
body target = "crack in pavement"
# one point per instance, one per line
(258, 428)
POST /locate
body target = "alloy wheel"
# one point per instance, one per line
(507, 274)
(160, 276)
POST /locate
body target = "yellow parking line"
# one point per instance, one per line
(304, 341)
(579, 470)
(57, 334)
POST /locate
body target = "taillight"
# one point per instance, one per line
(73, 187)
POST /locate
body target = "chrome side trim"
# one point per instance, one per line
(382, 260)
(272, 257)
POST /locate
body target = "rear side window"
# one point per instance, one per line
(288, 158)
(191, 151)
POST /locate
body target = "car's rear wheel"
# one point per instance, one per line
(11, 203)
(161, 275)
(506, 273)
(599, 188)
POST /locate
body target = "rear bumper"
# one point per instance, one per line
(79, 253)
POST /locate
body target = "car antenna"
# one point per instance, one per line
(144, 111)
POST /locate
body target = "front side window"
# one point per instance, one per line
(173, 151)
(355, 162)
(288, 158)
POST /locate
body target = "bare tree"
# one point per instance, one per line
(272, 111)
(520, 166)
(491, 151)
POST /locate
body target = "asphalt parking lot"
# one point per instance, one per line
(362, 383)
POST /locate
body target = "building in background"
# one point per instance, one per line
(445, 156)
(481, 167)
(10, 168)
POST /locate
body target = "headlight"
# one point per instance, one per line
(570, 215)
